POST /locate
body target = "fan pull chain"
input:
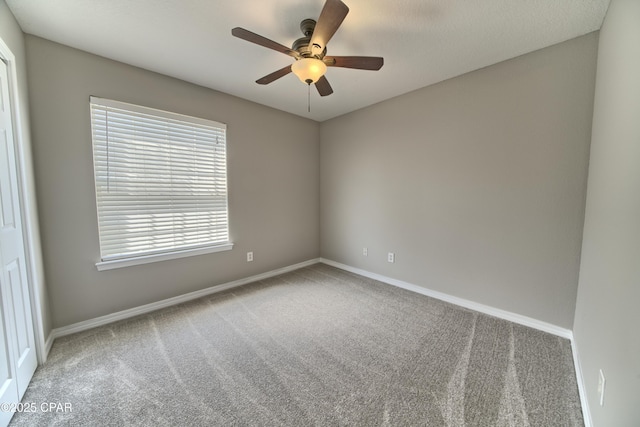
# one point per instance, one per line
(309, 97)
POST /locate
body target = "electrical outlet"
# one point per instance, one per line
(365, 251)
(601, 383)
(249, 256)
(391, 257)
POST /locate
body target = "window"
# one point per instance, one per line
(161, 184)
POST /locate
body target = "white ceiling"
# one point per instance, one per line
(422, 41)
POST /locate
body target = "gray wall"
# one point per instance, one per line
(13, 37)
(477, 183)
(607, 321)
(273, 183)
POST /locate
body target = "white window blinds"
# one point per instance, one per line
(161, 180)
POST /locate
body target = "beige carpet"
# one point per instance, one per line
(318, 346)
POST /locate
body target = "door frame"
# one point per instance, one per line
(28, 210)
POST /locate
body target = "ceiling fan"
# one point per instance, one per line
(310, 51)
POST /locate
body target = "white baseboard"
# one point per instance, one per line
(147, 308)
(492, 311)
(47, 346)
(582, 390)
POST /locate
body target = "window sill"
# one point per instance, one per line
(127, 262)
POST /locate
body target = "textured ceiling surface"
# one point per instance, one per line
(422, 41)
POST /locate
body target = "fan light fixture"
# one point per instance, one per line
(309, 70)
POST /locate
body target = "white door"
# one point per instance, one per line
(17, 348)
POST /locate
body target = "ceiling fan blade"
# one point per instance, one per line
(262, 41)
(274, 76)
(332, 15)
(323, 86)
(358, 62)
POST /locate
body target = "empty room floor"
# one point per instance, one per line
(316, 346)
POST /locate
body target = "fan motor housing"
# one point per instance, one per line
(302, 45)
